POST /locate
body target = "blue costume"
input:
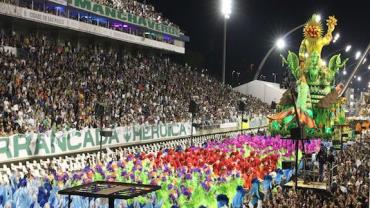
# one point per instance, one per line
(222, 201)
(239, 197)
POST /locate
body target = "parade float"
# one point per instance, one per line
(314, 99)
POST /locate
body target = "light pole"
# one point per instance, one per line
(226, 11)
(346, 49)
(357, 55)
(260, 66)
(356, 68)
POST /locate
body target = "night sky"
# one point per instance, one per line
(255, 25)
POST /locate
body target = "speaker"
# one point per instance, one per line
(106, 133)
(289, 164)
(245, 120)
(273, 105)
(336, 142)
(241, 106)
(295, 134)
(193, 107)
(308, 156)
(99, 110)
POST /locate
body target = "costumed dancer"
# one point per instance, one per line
(256, 195)
(239, 197)
(222, 201)
(21, 195)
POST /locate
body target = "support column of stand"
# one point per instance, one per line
(191, 131)
(101, 138)
(111, 203)
(296, 142)
(341, 138)
(241, 123)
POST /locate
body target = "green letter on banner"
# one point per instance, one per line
(182, 130)
(128, 134)
(170, 130)
(5, 149)
(165, 29)
(83, 4)
(137, 132)
(173, 129)
(132, 18)
(151, 24)
(98, 8)
(122, 16)
(114, 137)
(142, 21)
(88, 139)
(62, 143)
(147, 134)
(157, 27)
(18, 147)
(97, 136)
(110, 12)
(155, 132)
(41, 144)
(163, 130)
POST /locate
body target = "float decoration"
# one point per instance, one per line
(317, 101)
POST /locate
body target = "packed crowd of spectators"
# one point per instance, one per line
(138, 8)
(47, 85)
(349, 188)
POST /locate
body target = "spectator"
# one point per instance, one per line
(321, 157)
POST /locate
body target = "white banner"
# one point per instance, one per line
(19, 147)
(229, 125)
(8, 49)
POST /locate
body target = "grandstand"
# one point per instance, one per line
(127, 21)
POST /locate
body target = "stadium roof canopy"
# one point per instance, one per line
(265, 91)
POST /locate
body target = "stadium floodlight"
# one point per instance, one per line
(348, 48)
(358, 54)
(364, 61)
(368, 67)
(344, 72)
(280, 43)
(323, 62)
(226, 8)
(359, 78)
(226, 11)
(336, 37)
